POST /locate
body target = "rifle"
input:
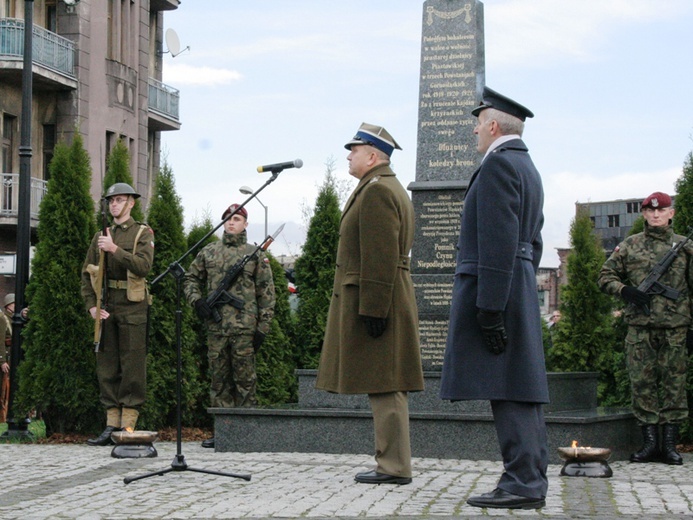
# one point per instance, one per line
(651, 285)
(100, 287)
(221, 296)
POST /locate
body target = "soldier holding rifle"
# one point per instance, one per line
(128, 248)
(245, 315)
(653, 272)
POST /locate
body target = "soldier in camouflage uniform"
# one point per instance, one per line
(233, 342)
(121, 361)
(655, 343)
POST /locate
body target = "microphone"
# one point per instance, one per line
(276, 168)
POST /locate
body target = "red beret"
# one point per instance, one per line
(242, 212)
(657, 200)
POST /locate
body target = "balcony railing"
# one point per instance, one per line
(163, 99)
(48, 49)
(9, 195)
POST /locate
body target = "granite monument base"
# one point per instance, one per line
(329, 423)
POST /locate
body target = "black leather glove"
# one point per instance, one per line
(635, 296)
(493, 329)
(203, 310)
(375, 326)
(258, 339)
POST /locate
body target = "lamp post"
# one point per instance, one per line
(245, 190)
(15, 426)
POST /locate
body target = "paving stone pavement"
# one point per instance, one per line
(86, 483)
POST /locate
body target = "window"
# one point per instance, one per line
(633, 207)
(51, 16)
(119, 27)
(10, 9)
(614, 220)
(8, 125)
(49, 134)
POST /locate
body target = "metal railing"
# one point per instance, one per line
(49, 49)
(164, 99)
(9, 195)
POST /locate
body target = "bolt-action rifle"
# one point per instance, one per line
(221, 295)
(100, 285)
(651, 285)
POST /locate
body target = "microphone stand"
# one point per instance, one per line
(178, 272)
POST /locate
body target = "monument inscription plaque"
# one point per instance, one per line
(452, 77)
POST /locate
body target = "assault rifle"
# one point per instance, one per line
(221, 295)
(651, 285)
(100, 285)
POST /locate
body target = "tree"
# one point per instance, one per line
(166, 219)
(683, 218)
(58, 375)
(315, 273)
(198, 230)
(275, 362)
(584, 336)
(118, 170)
(683, 222)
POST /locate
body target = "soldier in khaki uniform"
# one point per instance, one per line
(656, 341)
(121, 360)
(233, 342)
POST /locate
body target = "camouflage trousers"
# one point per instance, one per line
(657, 362)
(232, 370)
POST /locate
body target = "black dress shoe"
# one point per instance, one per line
(208, 443)
(499, 498)
(105, 438)
(373, 477)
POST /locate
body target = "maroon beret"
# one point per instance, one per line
(232, 208)
(657, 200)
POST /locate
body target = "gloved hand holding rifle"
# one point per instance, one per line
(208, 307)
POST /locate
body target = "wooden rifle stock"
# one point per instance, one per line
(100, 286)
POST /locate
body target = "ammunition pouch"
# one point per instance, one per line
(137, 288)
(93, 271)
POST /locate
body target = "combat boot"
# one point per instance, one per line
(650, 449)
(670, 434)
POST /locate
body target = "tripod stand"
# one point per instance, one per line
(178, 272)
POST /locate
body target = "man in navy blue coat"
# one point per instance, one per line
(494, 348)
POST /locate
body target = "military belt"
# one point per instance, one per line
(117, 284)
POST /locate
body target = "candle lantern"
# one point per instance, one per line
(134, 445)
(582, 461)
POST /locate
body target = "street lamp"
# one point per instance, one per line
(245, 190)
(15, 427)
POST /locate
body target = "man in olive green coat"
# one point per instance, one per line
(371, 343)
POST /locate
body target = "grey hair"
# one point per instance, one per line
(508, 124)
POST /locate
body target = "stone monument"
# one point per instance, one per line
(451, 81)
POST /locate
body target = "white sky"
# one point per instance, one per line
(609, 82)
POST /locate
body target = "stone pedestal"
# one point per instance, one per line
(331, 423)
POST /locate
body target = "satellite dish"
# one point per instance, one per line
(172, 42)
